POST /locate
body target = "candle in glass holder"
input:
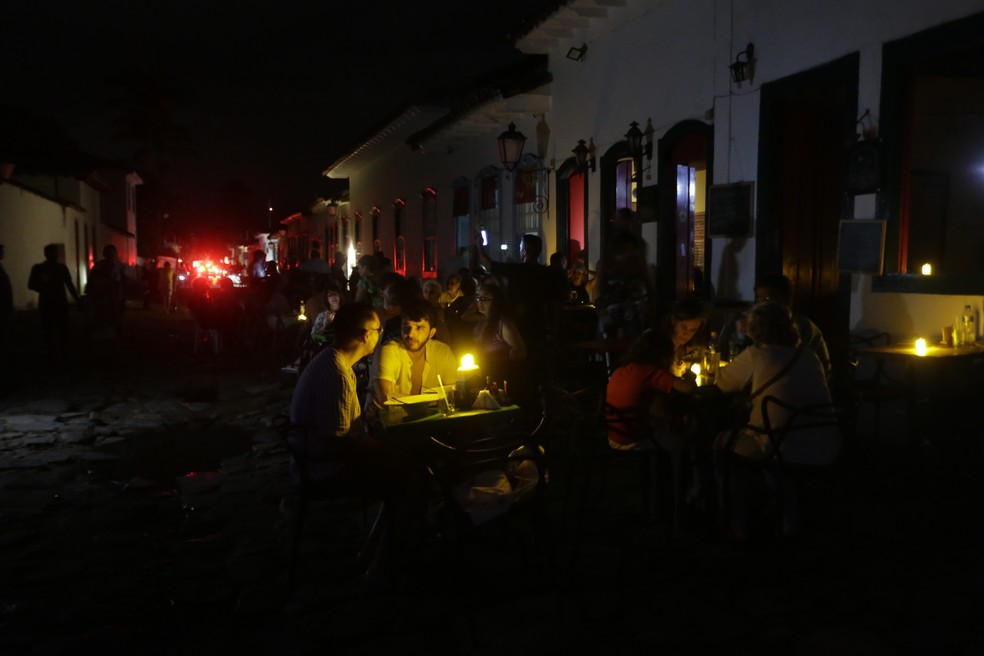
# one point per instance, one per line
(920, 347)
(927, 269)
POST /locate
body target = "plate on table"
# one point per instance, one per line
(414, 405)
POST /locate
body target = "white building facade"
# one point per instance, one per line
(741, 178)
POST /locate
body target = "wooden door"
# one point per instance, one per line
(806, 126)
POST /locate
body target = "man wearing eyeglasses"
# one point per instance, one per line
(334, 451)
(412, 364)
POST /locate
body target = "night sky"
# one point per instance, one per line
(271, 92)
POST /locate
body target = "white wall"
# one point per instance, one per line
(28, 222)
(670, 64)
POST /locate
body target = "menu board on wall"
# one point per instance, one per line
(729, 210)
(861, 246)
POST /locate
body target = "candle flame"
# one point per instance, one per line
(467, 362)
(927, 269)
(920, 347)
(695, 367)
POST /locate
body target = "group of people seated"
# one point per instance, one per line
(399, 337)
(785, 357)
(392, 336)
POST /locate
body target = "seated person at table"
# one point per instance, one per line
(779, 288)
(778, 365)
(642, 375)
(683, 324)
(343, 456)
(412, 364)
(496, 334)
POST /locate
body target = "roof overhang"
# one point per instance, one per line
(485, 114)
(392, 135)
(581, 21)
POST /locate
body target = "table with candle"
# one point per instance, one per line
(937, 378)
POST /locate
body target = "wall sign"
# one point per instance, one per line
(729, 210)
(861, 246)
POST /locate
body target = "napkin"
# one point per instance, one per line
(486, 401)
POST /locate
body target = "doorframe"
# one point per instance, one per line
(666, 179)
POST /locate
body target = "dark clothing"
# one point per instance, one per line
(50, 280)
(6, 297)
(625, 291)
(6, 307)
(535, 293)
(578, 295)
(105, 290)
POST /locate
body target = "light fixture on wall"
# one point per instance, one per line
(640, 144)
(743, 67)
(577, 54)
(584, 155)
(332, 206)
(511, 144)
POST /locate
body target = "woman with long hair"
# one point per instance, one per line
(644, 373)
(496, 334)
(683, 324)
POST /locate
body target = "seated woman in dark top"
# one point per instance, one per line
(496, 335)
(500, 350)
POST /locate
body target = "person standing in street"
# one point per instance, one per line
(105, 287)
(6, 304)
(167, 287)
(50, 279)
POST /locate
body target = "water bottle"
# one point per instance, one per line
(968, 325)
(737, 342)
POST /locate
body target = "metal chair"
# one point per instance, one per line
(876, 387)
(306, 490)
(787, 478)
(525, 523)
(584, 417)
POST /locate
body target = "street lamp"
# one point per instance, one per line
(511, 144)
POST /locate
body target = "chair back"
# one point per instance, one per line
(808, 435)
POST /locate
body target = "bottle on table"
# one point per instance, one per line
(968, 325)
(711, 357)
(738, 339)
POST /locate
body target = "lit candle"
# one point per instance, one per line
(920, 346)
(467, 363)
(695, 367)
(927, 269)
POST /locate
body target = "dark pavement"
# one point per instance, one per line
(142, 510)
